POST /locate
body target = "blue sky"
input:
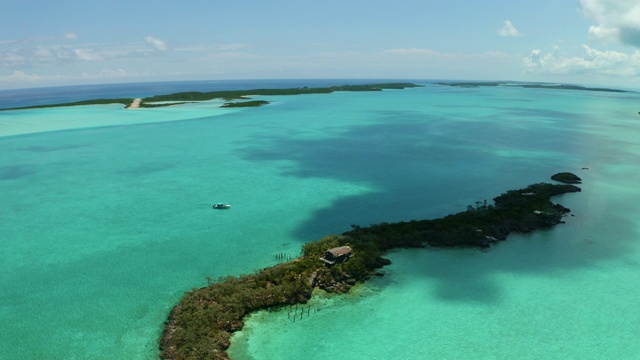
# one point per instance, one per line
(49, 43)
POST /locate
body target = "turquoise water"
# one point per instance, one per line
(104, 227)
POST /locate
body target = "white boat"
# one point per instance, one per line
(221, 206)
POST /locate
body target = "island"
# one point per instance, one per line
(253, 103)
(124, 101)
(201, 324)
(567, 178)
(530, 86)
(227, 95)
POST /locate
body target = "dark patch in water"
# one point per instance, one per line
(423, 166)
(14, 172)
(397, 157)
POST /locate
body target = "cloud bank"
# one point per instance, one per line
(611, 63)
(618, 20)
(24, 55)
(618, 23)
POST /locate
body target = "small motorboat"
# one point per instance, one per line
(221, 206)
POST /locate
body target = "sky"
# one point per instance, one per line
(70, 42)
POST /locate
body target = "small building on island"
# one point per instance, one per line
(337, 255)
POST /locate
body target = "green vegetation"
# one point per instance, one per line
(193, 96)
(567, 178)
(246, 94)
(124, 101)
(570, 87)
(201, 324)
(254, 103)
(529, 86)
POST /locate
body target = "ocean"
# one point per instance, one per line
(106, 219)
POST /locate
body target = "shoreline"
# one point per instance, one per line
(39, 122)
(201, 324)
(227, 95)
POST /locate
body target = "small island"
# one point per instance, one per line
(567, 178)
(196, 96)
(201, 324)
(253, 103)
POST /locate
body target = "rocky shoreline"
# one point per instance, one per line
(201, 324)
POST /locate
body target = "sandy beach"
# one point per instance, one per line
(135, 104)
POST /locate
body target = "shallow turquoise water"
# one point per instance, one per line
(560, 294)
(104, 228)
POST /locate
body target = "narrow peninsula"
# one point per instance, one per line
(201, 324)
(234, 98)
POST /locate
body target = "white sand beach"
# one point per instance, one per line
(135, 104)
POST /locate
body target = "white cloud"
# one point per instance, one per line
(28, 55)
(71, 36)
(157, 43)
(603, 33)
(42, 52)
(508, 30)
(11, 59)
(611, 63)
(87, 55)
(618, 20)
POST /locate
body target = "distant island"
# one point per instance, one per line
(242, 98)
(529, 86)
(230, 95)
(253, 103)
(201, 324)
